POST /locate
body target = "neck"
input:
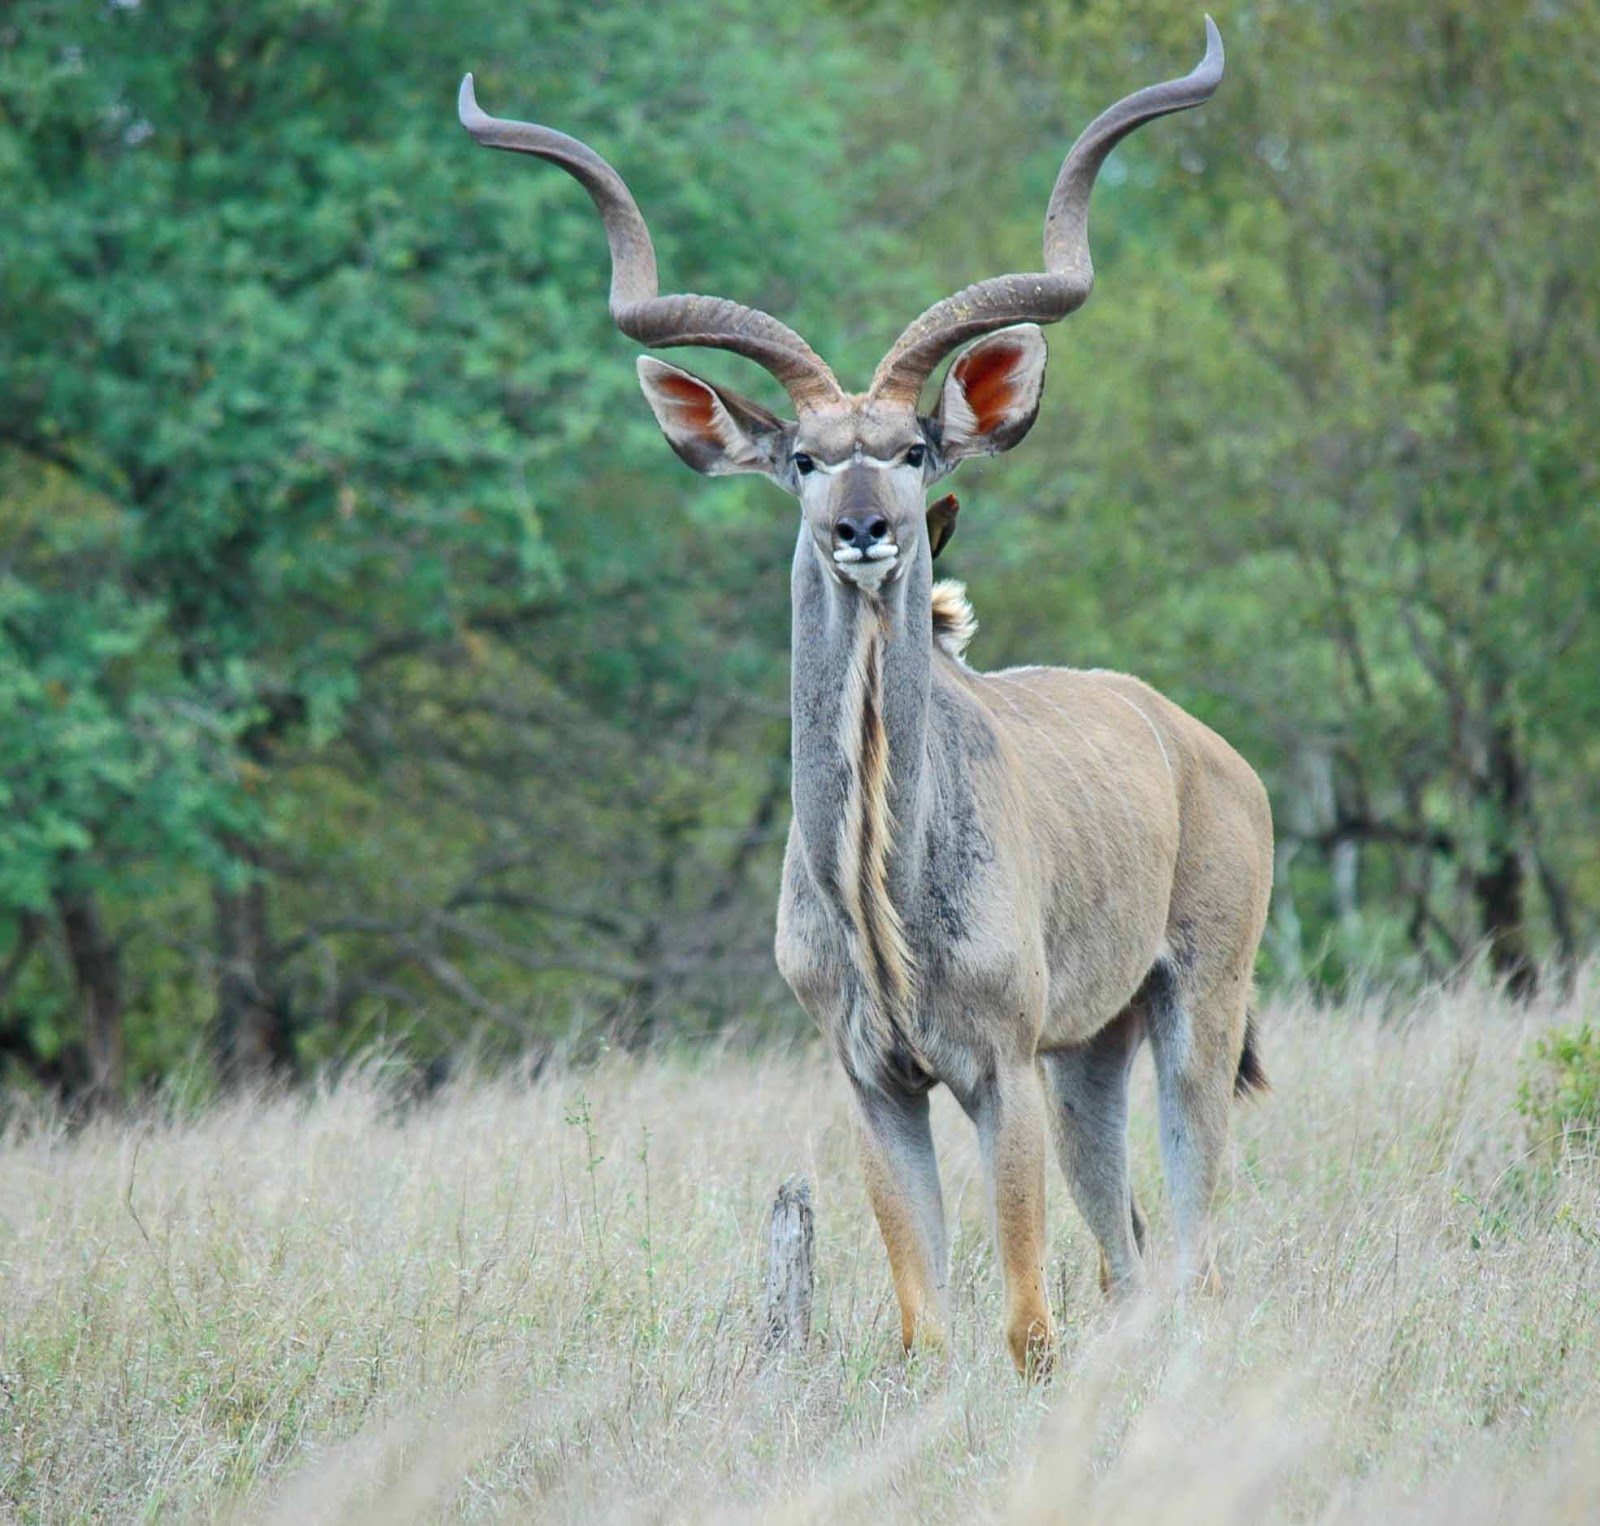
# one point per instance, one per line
(861, 681)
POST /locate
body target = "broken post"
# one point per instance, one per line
(787, 1322)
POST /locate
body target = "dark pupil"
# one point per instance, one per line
(914, 455)
(803, 463)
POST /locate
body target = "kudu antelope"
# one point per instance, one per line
(1004, 882)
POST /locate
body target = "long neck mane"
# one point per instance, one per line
(861, 685)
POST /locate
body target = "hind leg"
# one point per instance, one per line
(1197, 1041)
(1089, 1085)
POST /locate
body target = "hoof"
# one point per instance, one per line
(1033, 1348)
(1120, 1289)
(924, 1337)
(1204, 1280)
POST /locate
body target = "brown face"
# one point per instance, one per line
(860, 468)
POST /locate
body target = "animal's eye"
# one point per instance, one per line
(916, 455)
(804, 464)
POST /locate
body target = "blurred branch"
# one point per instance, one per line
(1366, 829)
(53, 454)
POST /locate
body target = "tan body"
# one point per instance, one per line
(1123, 831)
(1002, 882)
(1137, 831)
(1096, 868)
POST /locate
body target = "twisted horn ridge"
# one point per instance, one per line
(1068, 277)
(636, 304)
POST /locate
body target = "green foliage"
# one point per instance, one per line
(1559, 1097)
(391, 579)
(1311, 458)
(364, 653)
(101, 757)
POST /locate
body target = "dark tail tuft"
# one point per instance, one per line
(1252, 1076)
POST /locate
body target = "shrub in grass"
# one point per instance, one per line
(1559, 1098)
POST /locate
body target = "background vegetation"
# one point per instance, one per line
(370, 670)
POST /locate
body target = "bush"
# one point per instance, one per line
(1559, 1098)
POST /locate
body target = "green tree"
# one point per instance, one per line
(1315, 456)
(376, 469)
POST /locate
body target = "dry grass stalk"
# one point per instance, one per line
(497, 1306)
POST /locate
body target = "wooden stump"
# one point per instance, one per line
(786, 1324)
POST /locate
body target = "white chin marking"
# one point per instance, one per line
(869, 575)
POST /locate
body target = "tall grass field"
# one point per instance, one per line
(539, 1300)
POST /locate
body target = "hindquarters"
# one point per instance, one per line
(1192, 1003)
(1206, 1054)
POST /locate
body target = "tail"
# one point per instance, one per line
(1252, 1075)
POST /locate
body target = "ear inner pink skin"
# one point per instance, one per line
(697, 403)
(985, 375)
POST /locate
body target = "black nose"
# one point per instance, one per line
(860, 529)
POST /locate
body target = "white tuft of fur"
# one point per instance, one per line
(954, 624)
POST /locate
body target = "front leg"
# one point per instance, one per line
(1010, 1115)
(896, 1148)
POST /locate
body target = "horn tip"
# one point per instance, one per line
(1211, 65)
(467, 108)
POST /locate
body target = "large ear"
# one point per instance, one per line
(991, 396)
(716, 431)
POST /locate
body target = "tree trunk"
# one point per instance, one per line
(1502, 909)
(97, 980)
(1558, 897)
(252, 1039)
(1501, 888)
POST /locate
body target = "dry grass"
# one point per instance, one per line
(538, 1303)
